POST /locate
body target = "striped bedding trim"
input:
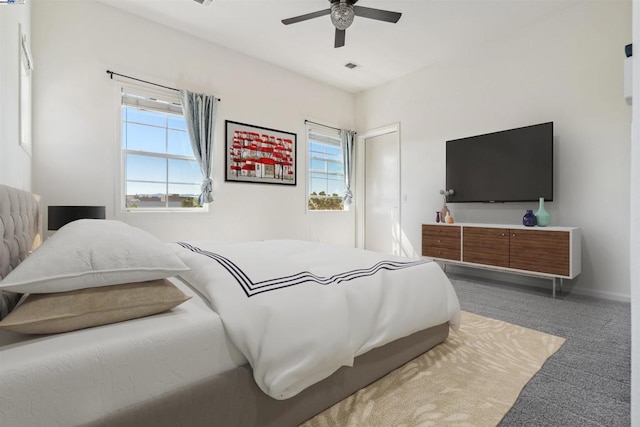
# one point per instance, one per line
(252, 288)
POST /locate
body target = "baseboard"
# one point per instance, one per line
(532, 281)
(611, 296)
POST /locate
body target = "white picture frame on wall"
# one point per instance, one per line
(24, 90)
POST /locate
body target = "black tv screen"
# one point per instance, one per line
(514, 165)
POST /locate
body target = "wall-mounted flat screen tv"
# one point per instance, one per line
(514, 165)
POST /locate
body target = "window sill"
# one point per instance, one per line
(138, 211)
(344, 211)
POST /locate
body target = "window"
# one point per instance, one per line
(159, 170)
(326, 170)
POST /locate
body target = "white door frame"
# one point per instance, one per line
(361, 176)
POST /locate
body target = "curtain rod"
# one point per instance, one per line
(320, 124)
(111, 73)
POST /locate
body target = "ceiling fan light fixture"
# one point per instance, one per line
(342, 15)
(205, 2)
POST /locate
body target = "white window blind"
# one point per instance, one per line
(139, 99)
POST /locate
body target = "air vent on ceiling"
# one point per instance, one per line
(204, 2)
(351, 65)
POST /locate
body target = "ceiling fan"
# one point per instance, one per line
(342, 13)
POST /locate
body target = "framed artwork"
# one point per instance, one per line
(260, 155)
(24, 88)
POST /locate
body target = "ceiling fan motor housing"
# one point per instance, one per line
(342, 14)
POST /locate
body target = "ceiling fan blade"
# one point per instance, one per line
(380, 15)
(306, 16)
(339, 38)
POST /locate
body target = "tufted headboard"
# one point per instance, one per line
(21, 230)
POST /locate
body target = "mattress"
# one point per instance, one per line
(101, 370)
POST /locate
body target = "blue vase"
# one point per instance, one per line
(542, 216)
(529, 219)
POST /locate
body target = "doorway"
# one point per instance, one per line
(379, 226)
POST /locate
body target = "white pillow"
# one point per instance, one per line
(88, 253)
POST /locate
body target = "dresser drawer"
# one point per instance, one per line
(441, 241)
(450, 231)
(446, 253)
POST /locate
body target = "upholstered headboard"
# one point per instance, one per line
(21, 230)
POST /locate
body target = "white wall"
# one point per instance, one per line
(75, 114)
(567, 69)
(15, 162)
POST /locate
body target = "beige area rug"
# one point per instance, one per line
(472, 379)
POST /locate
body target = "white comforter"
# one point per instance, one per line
(298, 310)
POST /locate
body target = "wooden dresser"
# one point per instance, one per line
(552, 252)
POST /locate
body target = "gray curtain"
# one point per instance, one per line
(347, 138)
(200, 115)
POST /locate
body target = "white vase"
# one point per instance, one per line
(444, 212)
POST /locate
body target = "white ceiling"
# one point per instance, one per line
(429, 31)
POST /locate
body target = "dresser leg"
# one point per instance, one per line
(558, 281)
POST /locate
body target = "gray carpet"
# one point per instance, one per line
(587, 382)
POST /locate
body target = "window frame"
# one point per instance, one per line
(121, 151)
(329, 133)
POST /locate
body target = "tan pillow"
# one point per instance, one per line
(67, 311)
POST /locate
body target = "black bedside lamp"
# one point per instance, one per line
(61, 215)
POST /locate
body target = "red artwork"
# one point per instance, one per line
(257, 154)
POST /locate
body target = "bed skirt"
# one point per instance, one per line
(232, 398)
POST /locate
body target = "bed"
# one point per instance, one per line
(192, 364)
